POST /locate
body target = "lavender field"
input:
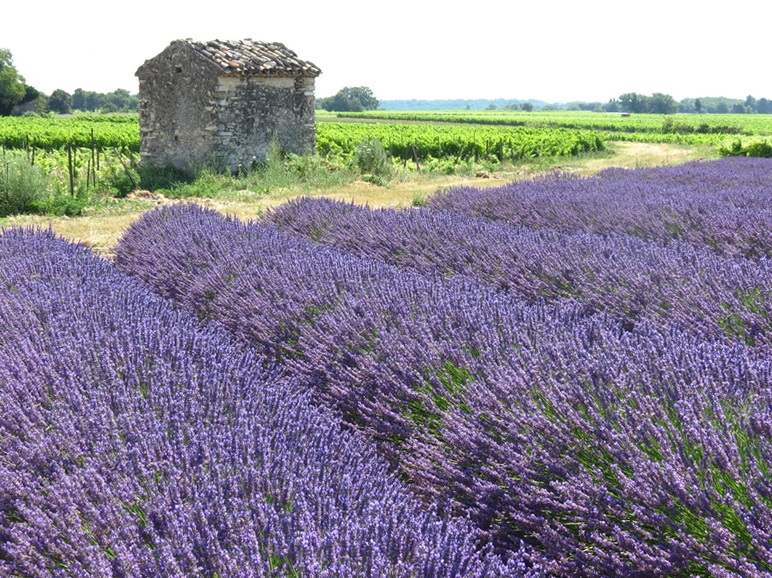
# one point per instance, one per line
(136, 442)
(722, 205)
(559, 377)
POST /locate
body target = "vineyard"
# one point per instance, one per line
(558, 377)
(92, 132)
(410, 135)
(403, 141)
(68, 158)
(601, 121)
(704, 129)
(421, 141)
(69, 164)
(459, 135)
(98, 154)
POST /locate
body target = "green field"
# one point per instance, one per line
(404, 141)
(92, 131)
(698, 129)
(602, 121)
(410, 142)
(85, 154)
(460, 135)
(84, 162)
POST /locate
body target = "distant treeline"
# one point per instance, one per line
(629, 102)
(62, 102)
(462, 104)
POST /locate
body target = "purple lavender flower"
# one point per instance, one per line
(627, 277)
(615, 450)
(134, 442)
(724, 205)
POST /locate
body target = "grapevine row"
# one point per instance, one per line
(82, 132)
(421, 141)
(403, 141)
(600, 121)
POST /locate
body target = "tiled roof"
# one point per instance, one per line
(253, 58)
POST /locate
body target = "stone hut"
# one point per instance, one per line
(223, 103)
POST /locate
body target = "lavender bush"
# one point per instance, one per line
(628, 277)
(134, 442)
(615, 451)
(725, 205)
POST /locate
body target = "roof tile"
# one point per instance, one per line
(253, 58)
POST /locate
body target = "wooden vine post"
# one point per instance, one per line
(93, 161)
(126, 168)
(71, 169)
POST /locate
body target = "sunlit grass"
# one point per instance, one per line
(247, 196)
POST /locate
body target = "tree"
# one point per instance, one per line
(350, 99)
(363, 95)
(698, 105)
(121, 99)
(12, 87)
(659, 103)
(78, 100)
(340, 103)
(633, 102)
(60, 102)
(86, 100)
(527, 106)
(94, 101)
(34, 102)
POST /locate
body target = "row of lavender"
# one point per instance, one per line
(614, 450)
(627, 277)
(725, 205)
(134, 442)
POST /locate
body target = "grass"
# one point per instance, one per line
(102, 225)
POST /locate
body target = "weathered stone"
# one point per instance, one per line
(223, 103)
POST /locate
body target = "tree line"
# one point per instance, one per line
(659, 103)
(18, 98)
(120, 100)
(349, 99)
(361, 98)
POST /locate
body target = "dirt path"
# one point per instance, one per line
(102, 229)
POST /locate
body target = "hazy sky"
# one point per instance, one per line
(556, 51)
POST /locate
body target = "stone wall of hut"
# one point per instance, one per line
(193, 116)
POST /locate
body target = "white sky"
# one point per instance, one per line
(551, 50)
